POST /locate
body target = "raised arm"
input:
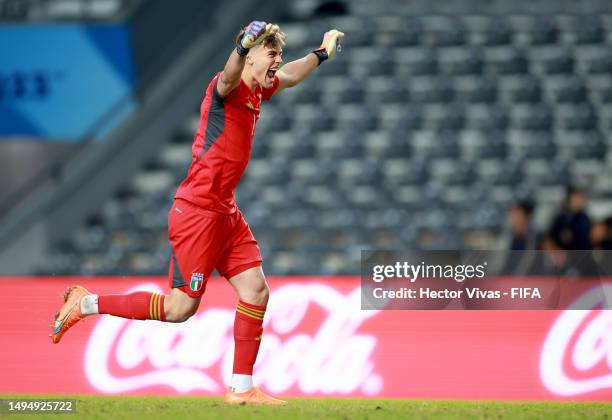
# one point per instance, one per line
(251, 36)
(230, 78)
(296, 71)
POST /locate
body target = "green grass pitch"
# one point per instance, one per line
(175, 408)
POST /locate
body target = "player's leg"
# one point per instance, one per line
(251, 286)
(194, 237)
(197, 238)
(175, 307)
(178, 306)
(253, 294)
(79, 303)
(241, 265)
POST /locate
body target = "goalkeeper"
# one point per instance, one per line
(206, 229)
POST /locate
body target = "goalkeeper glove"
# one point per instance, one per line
(329, 46)
(254, 34)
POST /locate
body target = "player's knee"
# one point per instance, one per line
(179, 314)
(175, 312)
(258, 295)
(265, 293)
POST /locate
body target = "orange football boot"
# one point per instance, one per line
(70, 312)
(252, 396)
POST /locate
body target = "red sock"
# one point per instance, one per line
(248, 327)
(137, 305)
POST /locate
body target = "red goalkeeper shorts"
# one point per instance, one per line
(203, 240)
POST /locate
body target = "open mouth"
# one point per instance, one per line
(271, 73)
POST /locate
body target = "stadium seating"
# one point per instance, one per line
(416, 135)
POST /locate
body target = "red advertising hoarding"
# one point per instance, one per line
(317, 342)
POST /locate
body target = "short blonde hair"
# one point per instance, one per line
(276, 40)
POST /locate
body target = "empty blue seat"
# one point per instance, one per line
(446, 145)
(514, 63)
(426, 66)
(470, 64)
(588, 30)
(541, 147)
(339, 66)
(529, 91)
(433, 90)
(562, 63)
(347, 150)
(494, 147)
(559, 173)
(411, 172)
(392, 93)
(498, 32)
(510, 174)
(600, 65)
(360, 118)
(303, 147)
(482, 91)
(308, 94)
(352, 93)
(409, 34)
(452, 119)
(317, 120)
(543, 31)
(398, 148)
(593, 148)
(582, 117)
(572, 90)
(536, 117)
(260, 148)
(606, 95)
(494, 117)
(383, 66)
(451, 34)
(411, 119)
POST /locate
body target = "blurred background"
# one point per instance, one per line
(459, 124)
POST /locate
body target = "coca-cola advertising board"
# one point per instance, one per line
(317, 342)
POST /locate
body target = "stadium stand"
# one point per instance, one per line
(422, 146)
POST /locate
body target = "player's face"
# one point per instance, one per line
(266, 62)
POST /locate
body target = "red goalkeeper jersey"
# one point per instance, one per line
(222, 145)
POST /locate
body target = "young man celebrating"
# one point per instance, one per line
(206, 229)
